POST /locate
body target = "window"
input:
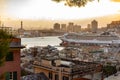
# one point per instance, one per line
(11, 75)
(50, 75)
(56, 77)
(15, 75)
(9, 56)
(65, 78)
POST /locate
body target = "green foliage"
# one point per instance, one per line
(109, 70)
(78, 3)
(57, 0)
(24, 73)
(5, 39)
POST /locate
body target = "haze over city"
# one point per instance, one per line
(59, 39)
(37, 14)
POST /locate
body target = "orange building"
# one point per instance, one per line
(11, 68)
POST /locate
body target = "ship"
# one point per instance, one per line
(77, 39)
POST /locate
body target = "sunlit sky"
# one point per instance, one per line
(47, 9)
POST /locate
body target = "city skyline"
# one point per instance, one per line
(44, 13)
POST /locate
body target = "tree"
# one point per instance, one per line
(5, 39)
(109, 70)
(4, 45)
(78, 3)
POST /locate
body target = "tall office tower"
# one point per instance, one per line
(70, 27)
(94, 26)
(56, 26)
(63, 27)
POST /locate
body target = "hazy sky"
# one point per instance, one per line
(47, 9)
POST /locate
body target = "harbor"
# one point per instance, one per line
(81, 57)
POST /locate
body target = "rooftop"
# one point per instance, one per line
(16, 43)
(70, 66)
(39, 76)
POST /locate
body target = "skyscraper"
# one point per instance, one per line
(94, 26)
(70, 27)
(63, 27)
(89, 27)
(56, 26)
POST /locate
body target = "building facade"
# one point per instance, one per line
(56, 26)
(114, 25)
(70, 27)
(76, 28)
(7, 29)
(94, 26)
(56, 69)
(63, 27)
(11, 67)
